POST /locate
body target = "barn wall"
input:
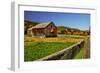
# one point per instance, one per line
(44, 31)
(38, 32)
(48, 32)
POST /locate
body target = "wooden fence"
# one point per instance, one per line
(67, 53)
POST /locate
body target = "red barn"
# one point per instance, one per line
(47, 29)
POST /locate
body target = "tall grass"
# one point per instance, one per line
(37, 50)
(80, 55)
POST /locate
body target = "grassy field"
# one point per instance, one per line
(80, 55)
(37, 50)
(56, 39)
(36, 47)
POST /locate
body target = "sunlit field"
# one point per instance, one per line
(36, 47)
(37, 50)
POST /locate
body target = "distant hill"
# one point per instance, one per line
(28, 24)
(72, 31)
(67, 28)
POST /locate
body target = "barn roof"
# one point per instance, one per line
(41, 25)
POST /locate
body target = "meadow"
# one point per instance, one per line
(80, 55)
(37, 50)
(36, 47)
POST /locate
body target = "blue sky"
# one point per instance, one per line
(74, 20)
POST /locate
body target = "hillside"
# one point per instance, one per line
(28, 24)
(67, 28)
(63, 29)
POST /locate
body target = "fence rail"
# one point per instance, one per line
(67, 53)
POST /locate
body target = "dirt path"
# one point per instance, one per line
(87, 48)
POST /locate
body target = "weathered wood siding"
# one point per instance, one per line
(51, 31)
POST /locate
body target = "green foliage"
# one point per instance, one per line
(28, 24)
(61, 28)
(80, 55)
(64, 30)
(68, 28)
(37, 50)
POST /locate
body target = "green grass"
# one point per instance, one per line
(80, 55)
(37, 50)
(72, 36)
